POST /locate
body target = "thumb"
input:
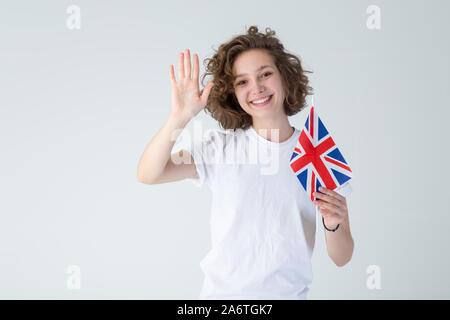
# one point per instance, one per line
(207, 91)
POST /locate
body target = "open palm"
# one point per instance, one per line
(186, 101)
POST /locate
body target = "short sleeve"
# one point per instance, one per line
(202, 151)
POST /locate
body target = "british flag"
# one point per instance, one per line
(316, 160)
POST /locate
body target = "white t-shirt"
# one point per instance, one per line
(262, 222)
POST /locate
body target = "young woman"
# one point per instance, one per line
(262, 224)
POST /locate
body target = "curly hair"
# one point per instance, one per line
(222, 102)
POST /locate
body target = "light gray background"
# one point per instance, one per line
(78, 107)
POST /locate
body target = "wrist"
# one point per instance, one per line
(330, 228)
(179, 121)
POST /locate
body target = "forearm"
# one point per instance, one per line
(340, 243)
(157, 152)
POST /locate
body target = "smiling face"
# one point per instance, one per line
(258, 84)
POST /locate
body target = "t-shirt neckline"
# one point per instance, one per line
(273, 144)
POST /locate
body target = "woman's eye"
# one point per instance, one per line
(265, 74)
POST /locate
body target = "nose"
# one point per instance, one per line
(258, 88)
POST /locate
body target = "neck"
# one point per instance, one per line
(282, 129)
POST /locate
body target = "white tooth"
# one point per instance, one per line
(262, 100)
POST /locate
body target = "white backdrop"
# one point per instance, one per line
(78, 107)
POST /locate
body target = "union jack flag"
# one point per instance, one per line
(316, 160)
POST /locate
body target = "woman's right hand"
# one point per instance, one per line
(186, 101)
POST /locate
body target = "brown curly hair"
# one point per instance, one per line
(222, 102)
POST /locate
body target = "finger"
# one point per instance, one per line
(172, 75)
(181, 66)
(332, 193)
(330, 207)
(327, 198)
(326, 213)
(195, 71)
(331, 218)
(188, 63)
(206, 92)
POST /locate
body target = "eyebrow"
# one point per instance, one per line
(259, 69)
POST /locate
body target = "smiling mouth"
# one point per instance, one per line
(262, 102)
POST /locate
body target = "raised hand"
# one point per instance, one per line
(186, 101)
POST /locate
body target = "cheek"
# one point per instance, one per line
(278, 85)
(240, 95)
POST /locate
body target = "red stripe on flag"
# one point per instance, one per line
(306, 143)
(301, 162)
(313, 185)
(325, 146)
(323, 172)
(313, 155)
(337, 163)
(311, 122)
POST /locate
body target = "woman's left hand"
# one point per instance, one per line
(332, 206)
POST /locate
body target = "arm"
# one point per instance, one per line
(156, 165)
(340, 243)
(333, 208)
